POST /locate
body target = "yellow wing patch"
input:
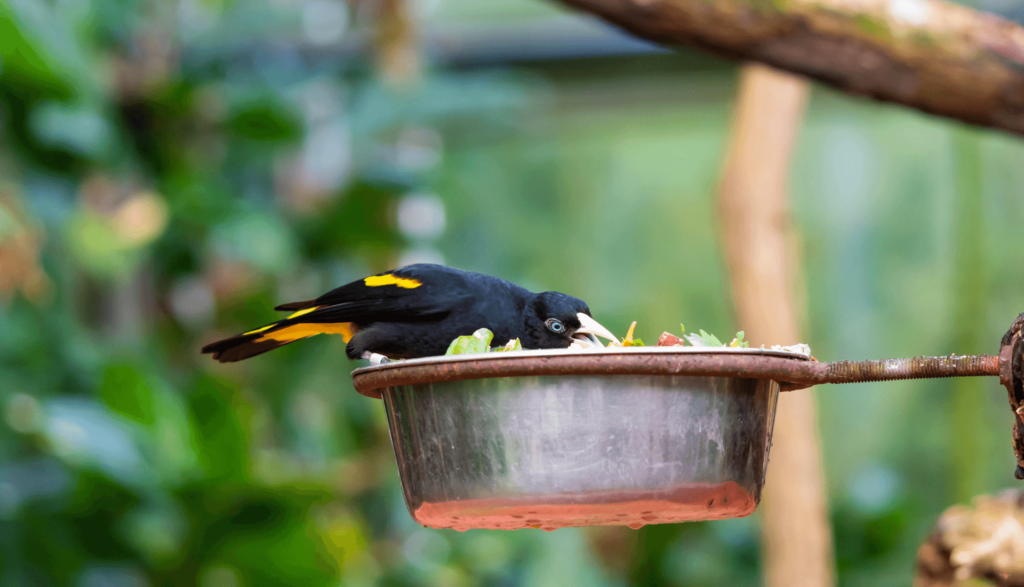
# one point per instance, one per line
(379, 280)
(259, 330)
(305, 330)
(303, 312)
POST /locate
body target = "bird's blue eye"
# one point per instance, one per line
(555, 325)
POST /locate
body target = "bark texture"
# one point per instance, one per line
(931, 55)
(980, 544)
(753, 198)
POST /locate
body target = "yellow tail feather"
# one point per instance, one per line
(307, 329)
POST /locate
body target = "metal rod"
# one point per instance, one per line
(912, 368)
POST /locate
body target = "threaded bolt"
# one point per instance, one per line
(913, 368)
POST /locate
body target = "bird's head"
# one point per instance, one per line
(555, 320)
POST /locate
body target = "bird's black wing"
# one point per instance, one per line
(409, 289)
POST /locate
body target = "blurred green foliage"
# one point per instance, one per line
(171, 171)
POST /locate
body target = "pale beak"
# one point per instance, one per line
(588, 332)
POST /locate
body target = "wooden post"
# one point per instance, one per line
(398, 54)
(754, 206)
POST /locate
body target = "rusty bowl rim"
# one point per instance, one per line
(758, 363)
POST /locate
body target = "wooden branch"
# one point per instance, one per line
(931, 55)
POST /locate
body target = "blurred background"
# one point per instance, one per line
(169, 171)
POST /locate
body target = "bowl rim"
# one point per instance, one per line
(756, 363)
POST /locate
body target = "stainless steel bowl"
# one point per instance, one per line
(549, 439)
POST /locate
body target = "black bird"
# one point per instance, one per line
(418, 310)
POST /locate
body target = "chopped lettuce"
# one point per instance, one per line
(512, 345)
(703, 339)
(480, 342)
(709, 340)
(738, 341)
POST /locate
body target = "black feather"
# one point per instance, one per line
(295, 306)
(240, 347)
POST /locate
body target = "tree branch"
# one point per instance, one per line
(927, 54)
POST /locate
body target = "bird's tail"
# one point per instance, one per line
(272, 336)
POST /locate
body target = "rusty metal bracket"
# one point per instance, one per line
(791, 373)
(1011, 374)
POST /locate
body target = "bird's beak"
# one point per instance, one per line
(588, 332)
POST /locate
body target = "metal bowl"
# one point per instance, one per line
(549, 439)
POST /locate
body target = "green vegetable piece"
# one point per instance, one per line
(711, 339)
(738, 341)
(513, 345)
(458, 346)
(479, 342)
(703, 339)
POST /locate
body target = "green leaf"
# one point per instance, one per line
(41, 56)
(703, 339)
(222, 418)
(265, 119)
(513, 345)
(739, 342)
(479, 342)
(458, 346)
(126, 391)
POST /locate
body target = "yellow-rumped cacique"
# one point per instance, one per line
(417, 311)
